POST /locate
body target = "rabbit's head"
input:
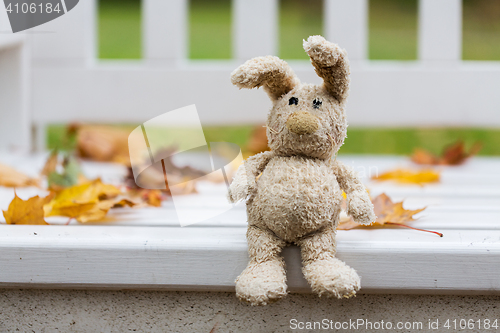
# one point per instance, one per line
(306, 119)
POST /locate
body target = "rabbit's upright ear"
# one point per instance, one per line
(274, 74)
(331, 64)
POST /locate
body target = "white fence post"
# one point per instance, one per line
(440, 30)
(346, 23)
(15, 118)
(255, 28)
(69, 39)
(165, 29)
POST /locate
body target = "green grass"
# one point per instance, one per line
(481, 30)
(210, 29)
(393, 29)
(119, 29)
(298, 20)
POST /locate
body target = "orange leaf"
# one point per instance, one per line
(26, 211)
(102, 143)
(258, 141)
(407, 176)
(454, 154)
(388, 213)
(12, 178)
(51, 163)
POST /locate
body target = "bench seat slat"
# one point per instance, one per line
(464, 261)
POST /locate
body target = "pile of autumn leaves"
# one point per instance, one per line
(70, 194)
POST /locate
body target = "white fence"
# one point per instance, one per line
(68, 83)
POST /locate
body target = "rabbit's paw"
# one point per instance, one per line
(239, 188)
(360, 208)
(262, 283)
(332, 278)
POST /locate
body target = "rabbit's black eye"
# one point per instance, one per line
(293, 100)
(317, 103)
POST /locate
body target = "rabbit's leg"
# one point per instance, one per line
(264, 279)
(326, 274)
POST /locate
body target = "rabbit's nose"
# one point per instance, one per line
(302, 122)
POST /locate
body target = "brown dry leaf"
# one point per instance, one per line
(153, 176)
(388, 213)
(144, 197)
(258, 141)
(10, 177)
(454, 154)
(85, 202)
(102, 143)
(407, 176)
(27, 211)
(51, 164)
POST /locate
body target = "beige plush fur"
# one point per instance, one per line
(294, 191)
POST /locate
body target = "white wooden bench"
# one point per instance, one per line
(147, 249)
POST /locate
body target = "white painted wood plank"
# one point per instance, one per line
(10, 41)
(255, 28)
(196, 258)
(440, 30)
(380, 96)
(165, 29)
(5, 28)
(346, 23)
(68, 40)
(15, 116)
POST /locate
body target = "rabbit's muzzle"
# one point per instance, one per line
(302, 122)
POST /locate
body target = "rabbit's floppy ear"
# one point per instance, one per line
(274, 74)
(331, 64)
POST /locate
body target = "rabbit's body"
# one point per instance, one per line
(308, 196)
(294, 191)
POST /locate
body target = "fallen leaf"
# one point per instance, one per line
(71, 175)
(51, 163)
(258, 141)
(102, 143)
(85, 202)
(407, 176)
(146, 197)
(388, 213)
(454, 154)
(153, 177)
(10, 177)
(27, 211)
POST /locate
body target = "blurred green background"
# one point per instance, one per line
(392, 36)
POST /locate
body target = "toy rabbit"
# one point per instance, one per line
(294, 191)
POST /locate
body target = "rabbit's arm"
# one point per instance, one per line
(244, 181)
(359, 205)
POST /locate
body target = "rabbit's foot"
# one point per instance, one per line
(331, 277)
(262, 283)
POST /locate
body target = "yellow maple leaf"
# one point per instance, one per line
(10, 177)
(407, 176)
(388, 213)
(99, 211)
(83, 202)
(26, 211)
